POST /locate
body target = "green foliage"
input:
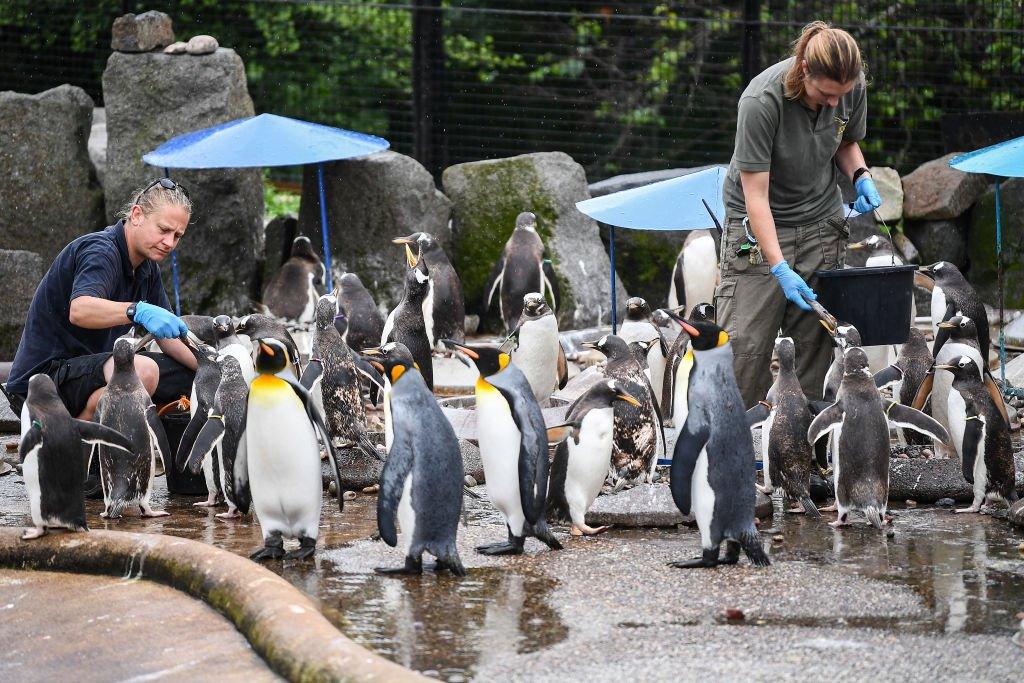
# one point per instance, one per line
(277, 201)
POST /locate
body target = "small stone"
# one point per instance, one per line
(178, 48)
(902, 456)
(373, 488)
(470, 481)
(927, 453)
(1021, 548)
(202, 45)
(911, 503)
(777, 538)
(770, 530)
(141, 33)
(945, 502)
(332, 488)
(890, 533)
(733, 614)
(349, 495)
(11, 447)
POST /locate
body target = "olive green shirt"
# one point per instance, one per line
(795, 144)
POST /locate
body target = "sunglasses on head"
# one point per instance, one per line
(165, 183)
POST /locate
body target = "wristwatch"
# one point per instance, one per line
(130, 311)
(859, 172)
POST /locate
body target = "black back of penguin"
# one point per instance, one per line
(288, 295)
(409, 327)
(523, 272)
(365, 323)
(449, 306)
(959, 292)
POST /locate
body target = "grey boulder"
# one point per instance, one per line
(935, 191)
(20, 273)
(940, 240)
(141, 32)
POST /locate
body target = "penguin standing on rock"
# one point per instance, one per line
(581, 458)
(513, 447)
(860, 419)
(695, 274)
(537, 351)
(713, 469)
(638, 327)
(365, 324)
(521, 269)
(421, 483)
(981, 436)
(51, 458)
(405, 324)
(444, 308)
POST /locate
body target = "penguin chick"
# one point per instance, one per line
(444, 308)
(522, 268)
(406, 325)
(293, 291)
(537, 351)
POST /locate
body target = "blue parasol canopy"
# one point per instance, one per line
(265, 140)
(1005, 159)
(689, 202)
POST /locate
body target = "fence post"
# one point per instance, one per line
(751, 40)
(428, 108)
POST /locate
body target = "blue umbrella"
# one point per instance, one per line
(689, 202)
(1005, 159)
(265, 140)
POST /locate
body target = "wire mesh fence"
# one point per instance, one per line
(621, 86)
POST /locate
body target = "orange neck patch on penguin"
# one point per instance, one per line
(397, 372)
(723, 338)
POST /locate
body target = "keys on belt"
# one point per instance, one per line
(749, 252)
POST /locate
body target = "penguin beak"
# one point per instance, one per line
(628, 398)
(829, 327)
(673, 313)
(378, 366)
(944, 367)
(589, 345)
(689, 329)
(373, 351)
(143, 343)
(265, 348)
(946, 325)
(456, 346)
(410, 258)
(927, 270)
(403, 240)
(857, 245)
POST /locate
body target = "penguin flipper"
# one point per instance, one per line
(657, 415)
(533, 449)
(392, 484)
(924, 391)
(375, 379)
(996, 394)
(758, 414)
(557, 505)
(188, 438)
(562, 367)
(888, 376)
(209, 437)
(551, 282)
(824, 422)
(243, 499)
(941, 333)
(313, 373)
(908, 418)
(94, 433)
(157, 433)
(684, 458)
(30, 440)
(494, 280)
(317, 418)
(974, 432)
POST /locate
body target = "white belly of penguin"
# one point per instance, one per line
(938, 308)
(406, 516)
(942, 384)
(428, 315)
(700, 272)
(588, 462)
(702, 497)
(766, 437)
(284, 465)
(30, 472)
(499, 449)
(537, 356)
(681, 385)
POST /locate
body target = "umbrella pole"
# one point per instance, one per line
(611, 249)
(1000, 286)
(323, 226)
(174, 270)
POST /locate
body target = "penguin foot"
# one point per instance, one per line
(150, 512)
(507, 548)
(233, 513)
(413, 567)
(840, 523)
(829, 508)
(208, 503)
(708, 559)
(452, 564)
(973, 508)
(797, 509)
(732, 553)
(307, 546)
(33, 533)
(270, 551)
(584, 530)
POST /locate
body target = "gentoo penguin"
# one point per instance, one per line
(260, 326)
(239, 347)
(952, 292)
(125, 407)
(332, 380)
(713, 469)
(51, 458)
(513, 447)
(880, 252)
(365, 324)
(281, 462)
(905, 376)
(369, 378)
(980, 434)
(405, 324)
(537, 351)
(443, 307)
(203, 327)
(223, 433)
(635, 441)
(860, 417)
(844, 336)
(521, 269)
(204, 388)
(638, 327)
(679, 364)
(582, 456)
(695, 274)
(785, 453)
(293, 292)
(421, 483)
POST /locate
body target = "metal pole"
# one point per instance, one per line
(999, 283)
(750, 47)
(611, 250)
(428, 98)
(174, 270)
(323, 226)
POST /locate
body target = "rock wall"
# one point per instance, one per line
(20, 273)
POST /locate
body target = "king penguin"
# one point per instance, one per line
(638, 327)
(537, 350)
(679, 364)
(582, 455)
(365, 324)
(51, 458)
(513, 447)
(405, 324)
(860, 419)
(281, 463)
(293, 292)
(695, 274)
(521, 269)
(713, 469)
(125, 407)
(444, 308)
(421, 483)
(260, 326)
(980, 434)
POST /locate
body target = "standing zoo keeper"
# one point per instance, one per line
(798, 127)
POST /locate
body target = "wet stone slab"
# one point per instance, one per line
(648, 505)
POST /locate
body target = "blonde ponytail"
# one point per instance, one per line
(829, 52)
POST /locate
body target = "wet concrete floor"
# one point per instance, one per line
(938, 600)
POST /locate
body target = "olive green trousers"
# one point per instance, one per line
(752, 308)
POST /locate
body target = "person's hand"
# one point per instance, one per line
(868, 198)
(159, 322)
(793, 286)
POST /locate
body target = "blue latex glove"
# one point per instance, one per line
(793, 286)
(160, 322)
(868, 198)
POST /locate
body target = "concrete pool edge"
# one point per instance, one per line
(283, 626)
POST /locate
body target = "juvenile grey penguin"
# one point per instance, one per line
(981, 436)
(293, 291)
(421, 483)
(537, 350)
(513, 446)
(786, 455)
(581, 458)
(713, 469)
(695, 274)
(405, 324)
(638, 327)
(906, 375)
(861, 419)
(521, 269)
(204, 388)
(223, 433)
(844, 336)
(127, 478)
(444, 308)
(51, 458)
(364, 323)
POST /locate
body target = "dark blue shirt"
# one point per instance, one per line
(97, 265)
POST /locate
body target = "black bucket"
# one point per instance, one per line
(877, 300)
(182, 483)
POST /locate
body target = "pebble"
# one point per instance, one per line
(349, 495)
(178, 48)
(890, 533)
(202, 45)
(11, 447)
(332, 488)
(1021, 547)
(927, 453)
(373, 488)
(770, 530)
(945, 502)
(470, 481)
(733, 614)
(777, 538)
(911, 503)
